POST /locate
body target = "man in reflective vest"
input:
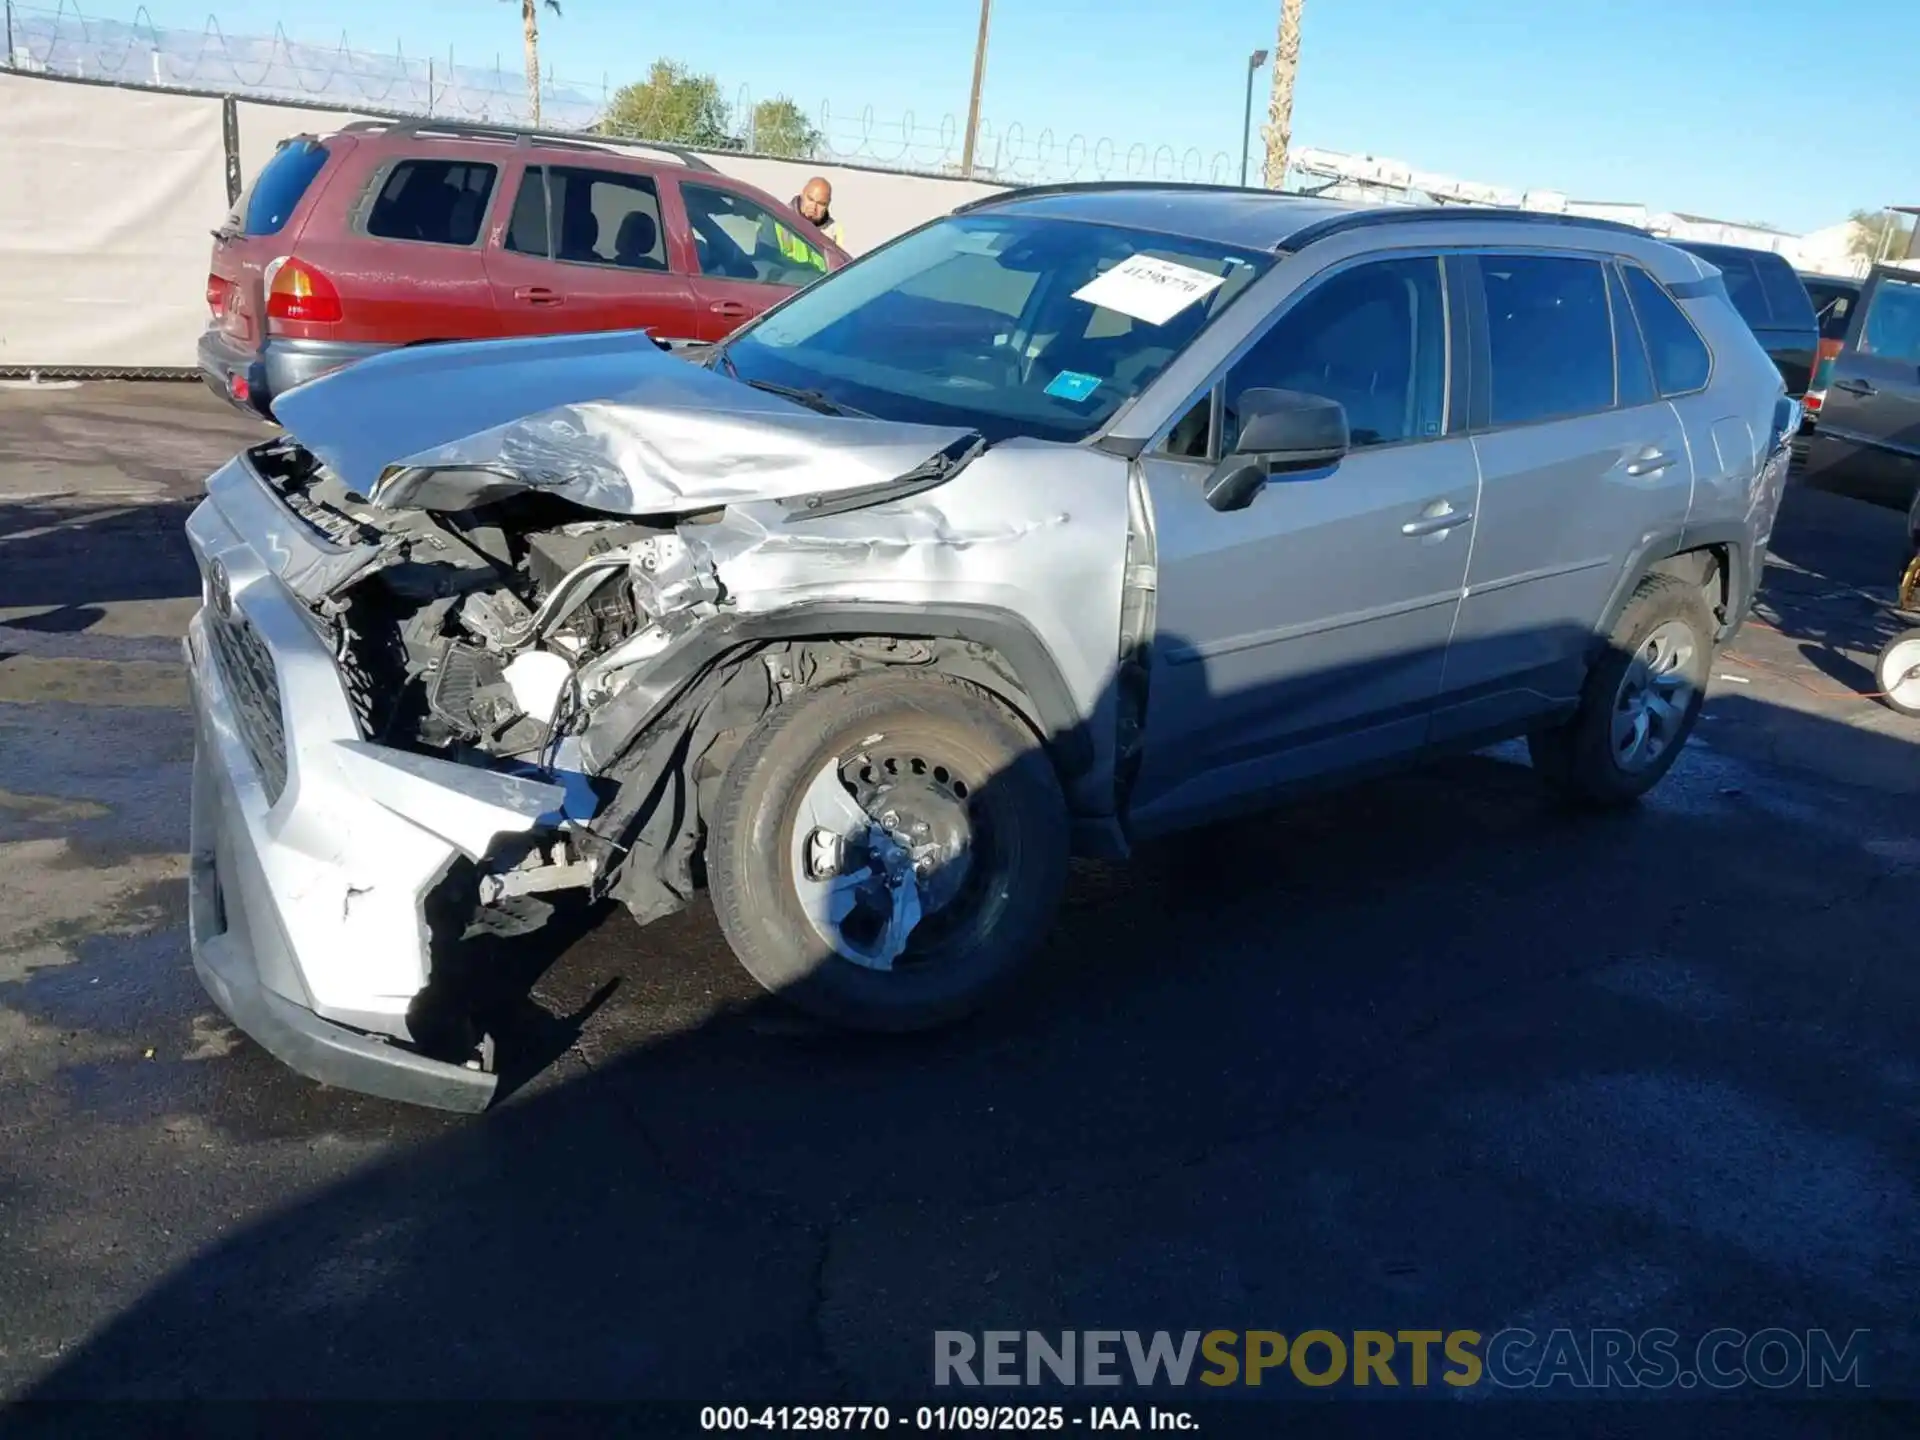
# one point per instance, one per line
(815, 204)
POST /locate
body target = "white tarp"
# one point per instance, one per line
(107, 201)
(108, 197)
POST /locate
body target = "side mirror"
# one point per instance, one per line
(1281, 431)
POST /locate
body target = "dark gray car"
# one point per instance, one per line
(1081, 516)
(1868, 440)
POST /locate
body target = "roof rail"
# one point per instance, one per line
(1083, 187)
(607, 144)
(1427, 214)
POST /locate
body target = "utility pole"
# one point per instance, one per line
(1286, 66)
(1254, 62)
(973, 104)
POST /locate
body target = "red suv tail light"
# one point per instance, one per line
(217, 291)
(297, 291)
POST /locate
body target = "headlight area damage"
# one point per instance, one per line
(595, 605)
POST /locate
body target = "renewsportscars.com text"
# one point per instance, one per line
(1600, 1359)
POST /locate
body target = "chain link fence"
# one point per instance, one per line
(64, 40)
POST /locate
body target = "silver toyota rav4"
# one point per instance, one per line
(1079, 516)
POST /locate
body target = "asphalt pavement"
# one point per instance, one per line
(1423, 1055)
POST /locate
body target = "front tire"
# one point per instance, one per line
(887, 851)
(1640, 701)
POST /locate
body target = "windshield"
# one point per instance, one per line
(1008, 324)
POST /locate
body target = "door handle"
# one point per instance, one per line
(1436, 520)
(728, 307)
(1856, 387)
(1650, 462)
(536, 295)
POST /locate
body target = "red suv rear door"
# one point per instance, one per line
(404, 253)
(746, 256)
(586, 247)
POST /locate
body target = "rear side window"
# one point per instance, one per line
(280, 184)
(440, 202)
(1636, 373)
(1743, 283)
(590, 217)
(1549, 337)
(1892, 331)
(1786, 296)
(1681, 360)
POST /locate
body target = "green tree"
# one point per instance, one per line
(1879, 235)
(781, 127)
(530, 33)
(672, 103)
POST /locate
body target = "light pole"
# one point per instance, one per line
(973, 104)
(1254, 62)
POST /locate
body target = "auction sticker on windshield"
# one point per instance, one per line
(1149, 289)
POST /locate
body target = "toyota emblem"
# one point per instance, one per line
(220, 590)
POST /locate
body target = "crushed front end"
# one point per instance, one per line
(441, 677)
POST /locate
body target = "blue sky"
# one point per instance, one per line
(1740, 109)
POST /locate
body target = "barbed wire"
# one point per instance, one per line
(63, 40)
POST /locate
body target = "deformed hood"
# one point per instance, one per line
(610, 422)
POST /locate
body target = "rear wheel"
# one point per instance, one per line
(1640, 701)
(1898, 672)
(887, 851)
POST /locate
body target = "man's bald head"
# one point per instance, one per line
(816, 200)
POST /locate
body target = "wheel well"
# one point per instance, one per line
(1709, 567)
(653, 829)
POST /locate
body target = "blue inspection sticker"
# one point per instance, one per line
(1073, 385)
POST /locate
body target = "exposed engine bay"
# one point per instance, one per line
(477, 629)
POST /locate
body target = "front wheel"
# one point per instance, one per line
(1898, 672)
(1640, 701)
(888, 850)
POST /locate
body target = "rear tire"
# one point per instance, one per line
(1640, 701)
(970, 806)
(1897, 673)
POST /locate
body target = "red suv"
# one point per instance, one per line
(400, 233)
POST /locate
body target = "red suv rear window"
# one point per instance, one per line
(277, 189)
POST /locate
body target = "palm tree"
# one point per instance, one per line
(1286, 64)
(530, 24)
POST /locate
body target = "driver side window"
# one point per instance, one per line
(735, 239)
(1373, 337)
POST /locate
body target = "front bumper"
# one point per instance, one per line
(315, 855)
(251, 379)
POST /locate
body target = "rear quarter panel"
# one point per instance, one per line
(1730, 432)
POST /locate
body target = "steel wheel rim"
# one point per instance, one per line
(873, 869)
(1655, 697)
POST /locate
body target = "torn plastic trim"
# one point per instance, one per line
(935, 471)
(637, 458)
(468, 807)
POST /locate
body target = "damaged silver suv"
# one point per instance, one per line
(1079, 516)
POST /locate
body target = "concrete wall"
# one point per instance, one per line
(108, 195)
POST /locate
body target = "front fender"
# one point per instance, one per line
(1073, 738)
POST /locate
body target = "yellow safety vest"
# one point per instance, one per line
(796, 249)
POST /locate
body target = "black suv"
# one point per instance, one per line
(1773, 302)
(1868, 443)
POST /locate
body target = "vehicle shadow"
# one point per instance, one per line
(74, 558)
(1425, 1045)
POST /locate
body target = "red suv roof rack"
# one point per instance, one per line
(466, 130)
